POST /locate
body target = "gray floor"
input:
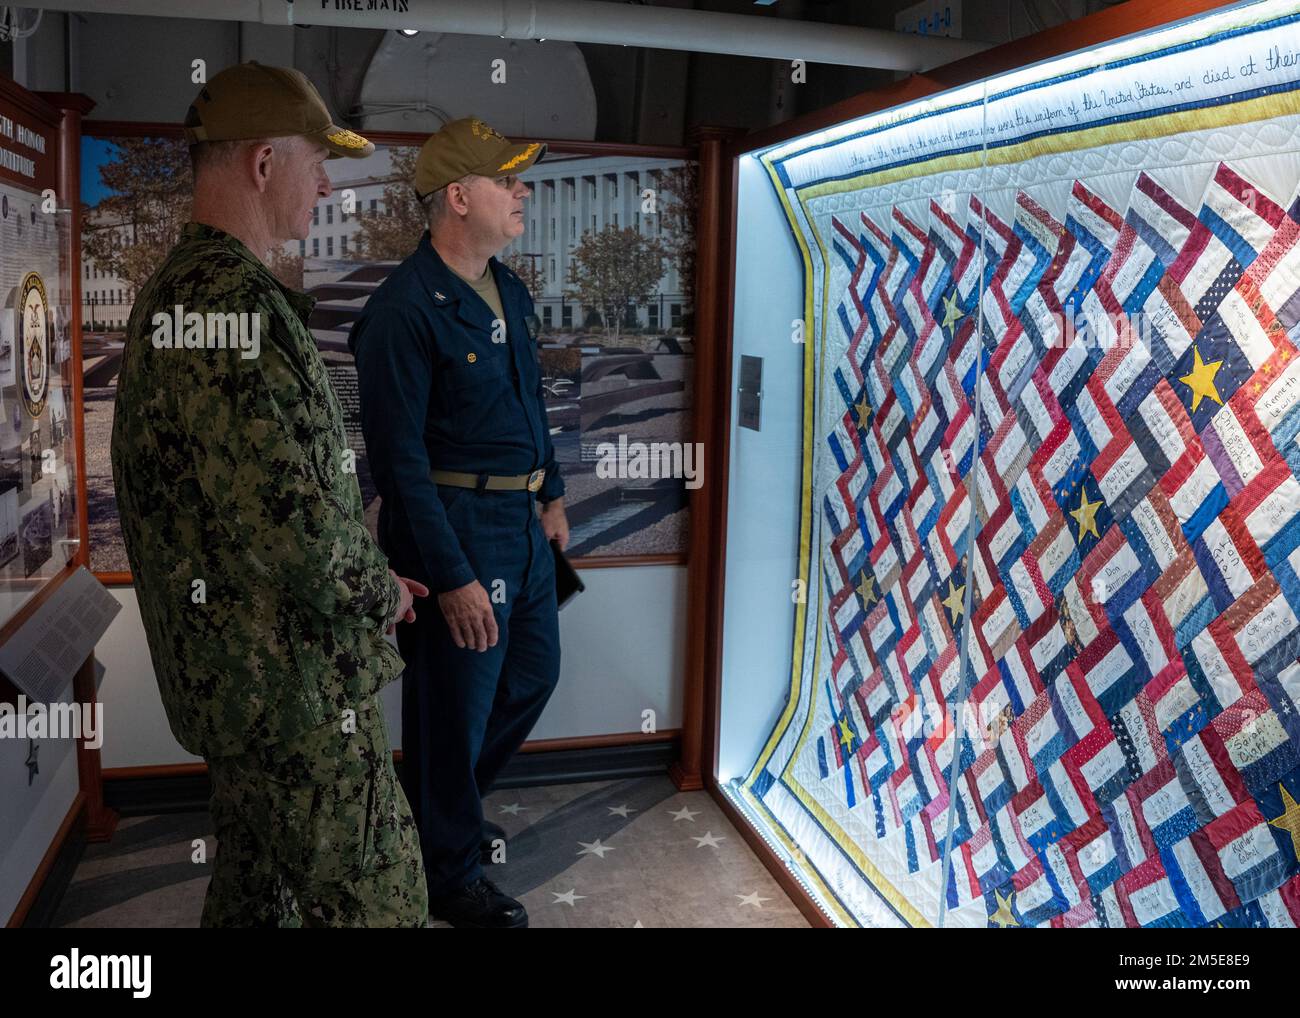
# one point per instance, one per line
(612, 853)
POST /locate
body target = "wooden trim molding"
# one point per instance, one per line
(181, 770)
(197, 769)
(793, 889)
(8, 691)
(34, 104)
(615, 561)
(74, 107)
(101, 821)
(600, 741)
(711, 426)
(116, 579)
(70, 821)
(587, 562)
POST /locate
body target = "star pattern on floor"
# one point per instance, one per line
(640, 866)
(645, 873)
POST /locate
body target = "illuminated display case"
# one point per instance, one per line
(1012, 582)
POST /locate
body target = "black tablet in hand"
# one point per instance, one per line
(567, 582)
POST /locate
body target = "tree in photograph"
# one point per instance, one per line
(287, 267)
(129, 233)
(613, 268)
(526, 269)
(678, 199)
(391, 233)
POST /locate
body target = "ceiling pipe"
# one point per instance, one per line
(591, 21)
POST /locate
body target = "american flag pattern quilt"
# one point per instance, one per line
(1053, 346)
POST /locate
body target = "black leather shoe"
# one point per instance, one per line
(490, 833)
(479, 905)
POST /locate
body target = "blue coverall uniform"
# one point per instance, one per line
(438, 393)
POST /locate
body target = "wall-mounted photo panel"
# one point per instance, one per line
(608, 256)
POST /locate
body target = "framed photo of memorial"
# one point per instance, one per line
(608, 255)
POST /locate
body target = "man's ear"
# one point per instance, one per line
(464, 193)
(262, 160)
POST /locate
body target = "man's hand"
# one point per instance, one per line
(411, 589)
(554, 523)
(469, 616)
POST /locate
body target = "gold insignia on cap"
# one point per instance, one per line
(347, 139)
(521, 157)
(484, 131)
(471, 357)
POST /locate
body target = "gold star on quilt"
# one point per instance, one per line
(1289, 821)
(1201, 380)
(1086, 515)
(861, 411)
(1003, 917)
(866, 590)
(954, 602)
(951, 313)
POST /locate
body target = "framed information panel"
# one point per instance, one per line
(39, 528)
(1043, 408)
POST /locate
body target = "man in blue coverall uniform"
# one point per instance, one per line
(456, 433)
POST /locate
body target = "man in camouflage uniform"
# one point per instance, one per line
(264, 599)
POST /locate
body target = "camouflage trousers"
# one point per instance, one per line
(315, 831)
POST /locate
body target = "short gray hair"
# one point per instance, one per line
(212, 155)
(435, 204)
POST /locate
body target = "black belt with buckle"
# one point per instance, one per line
(490, 482)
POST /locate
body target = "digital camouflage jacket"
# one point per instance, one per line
(264, 599)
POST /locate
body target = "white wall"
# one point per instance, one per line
(30, 815)
(763, 504)
(622, 651)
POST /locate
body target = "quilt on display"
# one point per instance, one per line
(1053, 423)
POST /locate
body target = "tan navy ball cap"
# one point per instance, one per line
(253, 100)
(470, 146)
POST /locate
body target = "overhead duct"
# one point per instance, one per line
(589, 21)
(554, 96)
